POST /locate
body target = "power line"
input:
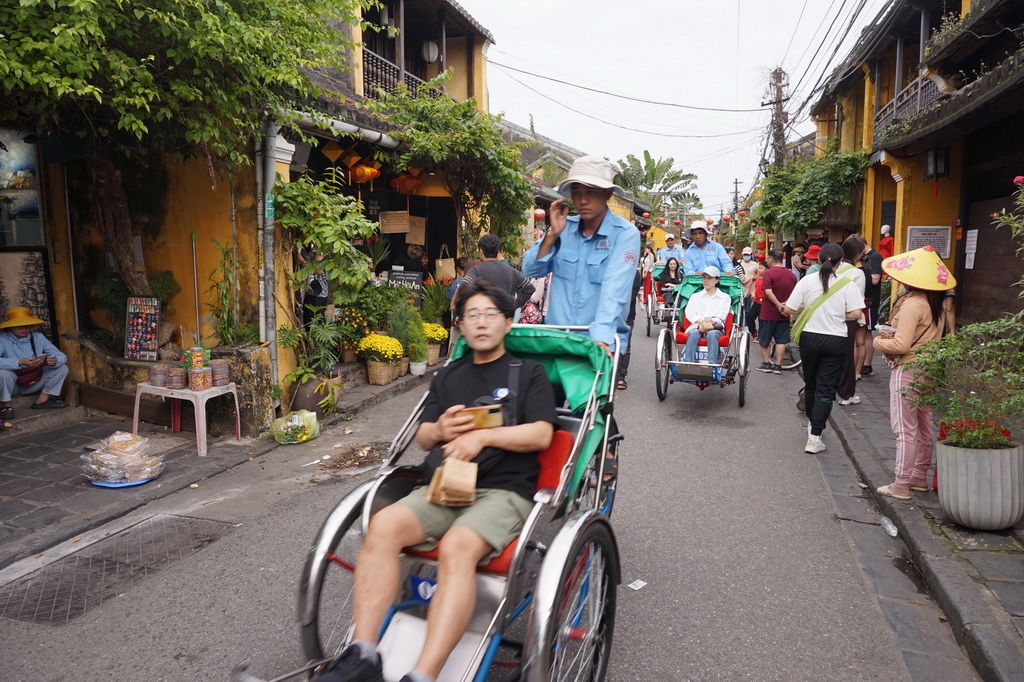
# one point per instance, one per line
(622, 127)
(626, 97)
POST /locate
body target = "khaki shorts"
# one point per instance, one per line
(497, 516)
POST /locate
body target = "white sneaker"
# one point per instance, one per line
(853, 400)
(814, 446)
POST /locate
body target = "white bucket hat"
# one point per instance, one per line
(593, 171)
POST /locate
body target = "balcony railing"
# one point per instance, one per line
(914, 98)
(380, 74)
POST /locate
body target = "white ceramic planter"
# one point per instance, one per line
(417, 368)
(981, 489)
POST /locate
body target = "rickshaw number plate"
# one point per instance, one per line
(422, 589)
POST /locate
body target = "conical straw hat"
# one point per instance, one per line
(921, 269)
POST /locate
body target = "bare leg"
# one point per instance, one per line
(451, 607)
(780, 353)
(869, 347)
(377, 569)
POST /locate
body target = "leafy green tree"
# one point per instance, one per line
(794, 195)
(464, 146)
(656, 182)
(187, 77)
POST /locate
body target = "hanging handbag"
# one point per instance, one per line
(444, 266)
(530, 314)
(26, 376)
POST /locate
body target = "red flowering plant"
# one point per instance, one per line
(974, 380)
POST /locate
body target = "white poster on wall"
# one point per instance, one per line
(936, 236)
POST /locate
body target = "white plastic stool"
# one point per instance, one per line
(198, 399)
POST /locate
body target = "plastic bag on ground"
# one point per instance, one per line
(295, 427)
(125, 444)
(122, 458)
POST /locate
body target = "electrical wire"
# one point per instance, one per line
(626, 97)
(622, 127)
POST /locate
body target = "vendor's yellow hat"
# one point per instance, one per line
(921, 269)
(20, 317)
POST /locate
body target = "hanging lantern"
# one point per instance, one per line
(677, 222)
(362, 173)
(758, 231)
(710, 221)
(646, 214)
(726, 218)
(743, 214)
(761, 244)
(406, 182)
(661, 219)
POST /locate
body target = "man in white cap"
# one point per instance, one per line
(706, 312)
(703, 252)
(592, 256)
(670, 250)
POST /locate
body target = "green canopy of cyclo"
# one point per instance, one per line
(571, 361)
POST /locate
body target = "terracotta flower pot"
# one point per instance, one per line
(981, 489)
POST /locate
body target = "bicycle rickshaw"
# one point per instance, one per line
(658, 303)
(734, 344)
(554, 587)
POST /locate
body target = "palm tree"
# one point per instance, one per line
(667, 190)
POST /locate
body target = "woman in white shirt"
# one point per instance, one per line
(706, 312)
(824, 336)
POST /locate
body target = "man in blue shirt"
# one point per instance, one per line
(670, 250)
(592, 256)
(25, 354)
(702, 252)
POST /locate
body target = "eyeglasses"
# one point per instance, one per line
(489, 315)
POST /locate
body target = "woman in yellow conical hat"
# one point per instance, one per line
(917, 318)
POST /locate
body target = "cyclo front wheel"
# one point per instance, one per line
(579, 641)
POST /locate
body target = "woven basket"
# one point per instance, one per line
(433, 353)
(379, 373)
(403, 367)
(348, 355)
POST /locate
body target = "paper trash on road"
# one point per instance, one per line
(636, 584)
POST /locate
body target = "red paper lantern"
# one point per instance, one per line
(677, 222)
(726, 218)
(646, 214)
(762, 244)
(661, 219)
(406, 182)
(743, 214)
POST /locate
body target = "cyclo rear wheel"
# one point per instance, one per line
(661, 367)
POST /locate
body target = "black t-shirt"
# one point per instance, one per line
(463, 382)
(505, 277)
(872, 266)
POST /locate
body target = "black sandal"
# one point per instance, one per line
(50, 404)
(621, 385)
(7, 412)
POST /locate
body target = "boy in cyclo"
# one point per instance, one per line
(506, 481)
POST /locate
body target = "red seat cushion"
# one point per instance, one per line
(723, 342)
(552, 459)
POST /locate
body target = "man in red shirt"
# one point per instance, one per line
(778, 282)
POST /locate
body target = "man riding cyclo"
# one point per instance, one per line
(706, 312)
(507, 458)
(703, 252)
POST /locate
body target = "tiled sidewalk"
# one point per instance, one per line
(976, 577)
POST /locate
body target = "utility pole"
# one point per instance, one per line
(779, 82)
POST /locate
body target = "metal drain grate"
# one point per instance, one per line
(78, 583)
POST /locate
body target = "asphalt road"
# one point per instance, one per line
(750, 571)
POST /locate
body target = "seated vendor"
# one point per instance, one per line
(29, 363)
(706, 312)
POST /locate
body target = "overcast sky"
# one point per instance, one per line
(716, 54)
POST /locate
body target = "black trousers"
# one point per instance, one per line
(823, 358)
(848, 382)
(638, 281)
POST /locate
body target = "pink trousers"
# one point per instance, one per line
(913, 428)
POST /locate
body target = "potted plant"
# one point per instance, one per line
(417, 359)
(380, 353)
(352, 327)
(436, 334)
(974, 381)
(434, 300)
(316, 352)
(399, 322)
